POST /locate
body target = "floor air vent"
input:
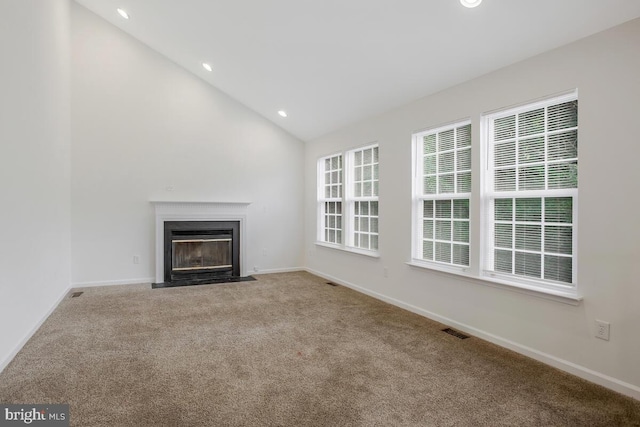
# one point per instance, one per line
(455, 333)
(331, 284)
(76, 294)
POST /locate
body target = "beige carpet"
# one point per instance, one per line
(285, 350)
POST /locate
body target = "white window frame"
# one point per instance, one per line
(481, 212)
(323, 199)
(351, 198)
(348, 200)
(419, 196)
(489, 194)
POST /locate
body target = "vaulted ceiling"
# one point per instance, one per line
(329, 63)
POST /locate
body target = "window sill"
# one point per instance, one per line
(565, 297)
(370, 254)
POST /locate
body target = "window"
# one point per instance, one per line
(531, 193)
(355, 228)
(365, 198)
(523, 218)
(442, 188)
(330, 199)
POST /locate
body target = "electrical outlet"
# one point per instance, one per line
(136, 259)
(385, 272)
(255, 268)
(602, 330)
(264, 251)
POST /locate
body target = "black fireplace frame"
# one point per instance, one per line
(201, 228)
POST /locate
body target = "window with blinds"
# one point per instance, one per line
(531, 194)
(442, 188)
(348, 199)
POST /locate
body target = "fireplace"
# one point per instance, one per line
(201, 251)
(199, 242)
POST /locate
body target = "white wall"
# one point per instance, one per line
(34, 165)
(605, 69)
(141, 124)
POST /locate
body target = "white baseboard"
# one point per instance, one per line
(279, 270)
(33, 330)
(152, 280)
(564, 365)
(113, 282)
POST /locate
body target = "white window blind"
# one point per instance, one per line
(442, 188)
(531, 194)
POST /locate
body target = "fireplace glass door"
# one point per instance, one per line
(191, 254)
(201, 251)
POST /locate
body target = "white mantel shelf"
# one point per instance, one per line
(201, 202)
(198, 210)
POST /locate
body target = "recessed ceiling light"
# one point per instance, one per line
(470, 3)
(122, 13)
(206, 66)
(282, 113)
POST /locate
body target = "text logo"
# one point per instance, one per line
(40, 415)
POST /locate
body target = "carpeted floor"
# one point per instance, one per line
(285, 350)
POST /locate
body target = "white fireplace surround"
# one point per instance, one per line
(198, 211)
